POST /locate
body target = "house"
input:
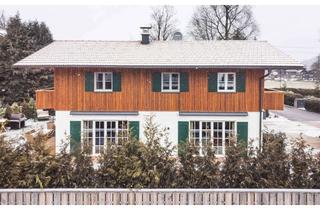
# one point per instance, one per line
(201, 90)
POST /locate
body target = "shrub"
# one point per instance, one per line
(197, 171)
(8, 112)
(15, 108)
(289, 98)
(312, 104)
(29, 109)
(305, 92)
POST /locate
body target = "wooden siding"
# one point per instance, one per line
(159, 197)
(273, 100)
(45, 99)
(136, 94)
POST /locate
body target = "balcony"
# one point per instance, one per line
(45, 99)
(273, 100)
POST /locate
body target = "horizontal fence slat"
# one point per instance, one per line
(159, 197)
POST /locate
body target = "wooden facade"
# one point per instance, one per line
(136, 93)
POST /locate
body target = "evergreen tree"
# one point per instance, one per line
(21, 40)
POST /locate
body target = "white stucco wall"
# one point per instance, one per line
(164, 119)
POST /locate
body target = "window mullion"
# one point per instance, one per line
(200, 135)
(116, 131)
(170, 81)
(223, 137)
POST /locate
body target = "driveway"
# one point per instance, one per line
(296, 123)
(299, 115)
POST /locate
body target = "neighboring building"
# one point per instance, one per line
(201, 90)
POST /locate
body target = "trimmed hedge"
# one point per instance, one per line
(289, 98)
(304, 92)
(312, 105)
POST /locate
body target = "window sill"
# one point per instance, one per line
(103, 91)
(170, 91)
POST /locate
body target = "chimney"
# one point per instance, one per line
(145, 34)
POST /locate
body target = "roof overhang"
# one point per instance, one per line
(161, 66)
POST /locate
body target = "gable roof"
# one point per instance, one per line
(208, 54)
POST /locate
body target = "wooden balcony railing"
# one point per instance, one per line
(45, 99)
(273, 100)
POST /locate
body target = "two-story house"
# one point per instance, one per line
(203, 91)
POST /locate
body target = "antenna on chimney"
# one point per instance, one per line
(145, 34)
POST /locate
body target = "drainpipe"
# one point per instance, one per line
(261, 80)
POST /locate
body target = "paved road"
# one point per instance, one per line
(298, 115)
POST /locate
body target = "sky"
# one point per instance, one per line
(293, 29)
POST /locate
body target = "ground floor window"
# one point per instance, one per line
(99, 134)
(211, 134)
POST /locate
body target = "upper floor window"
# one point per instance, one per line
(211, 134)
(99, 134)
(170, 82)
(103, 81)
(227, 82)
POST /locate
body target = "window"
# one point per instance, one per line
(170, 82)
(99, 134)
(215, 135)
(103, 81)
(226, 82)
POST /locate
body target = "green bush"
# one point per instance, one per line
(149, 164)
(29, 109)
(289, 98)
(312, 104)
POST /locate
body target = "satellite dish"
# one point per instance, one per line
(177, 36)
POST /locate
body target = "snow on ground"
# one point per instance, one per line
(294, 130)
(30, 124)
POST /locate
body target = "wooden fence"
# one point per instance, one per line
(160, 197)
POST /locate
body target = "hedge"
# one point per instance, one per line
(304, 92)
(312, 105)
(289, 98)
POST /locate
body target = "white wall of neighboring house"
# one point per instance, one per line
(164, 119)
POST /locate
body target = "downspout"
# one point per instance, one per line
(261, 80)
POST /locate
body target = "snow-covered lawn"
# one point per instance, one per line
(294, 129)
(18, 134)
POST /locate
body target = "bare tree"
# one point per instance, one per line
(163, 22)
(2, 21)
(223, 22)
(316, 68)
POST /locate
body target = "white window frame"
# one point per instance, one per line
(226, 82)
(170, 82)
(211, 134)
(105, 133)
(103, 82)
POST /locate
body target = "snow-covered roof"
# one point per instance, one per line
(159, 54)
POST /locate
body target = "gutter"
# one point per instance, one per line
(261, 80)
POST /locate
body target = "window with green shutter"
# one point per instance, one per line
(183, 134)
(116, 81)
(241, 81)
(212, 81)
(134, 129)
(242, 132)
(184, 82)
(75, 135)
(89, 81)
(156, 81)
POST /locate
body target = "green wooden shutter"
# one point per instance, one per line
(184, 82)
(89, 81)
(241, 81)
(116, 81)
(156, 81)
(183, 134)
(242, 132)
(75, 135)
(212, 81)
(134, 129)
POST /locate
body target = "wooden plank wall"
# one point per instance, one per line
(137, 95)
(159, 197)
(273, 100)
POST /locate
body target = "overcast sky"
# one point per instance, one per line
(293, 29)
